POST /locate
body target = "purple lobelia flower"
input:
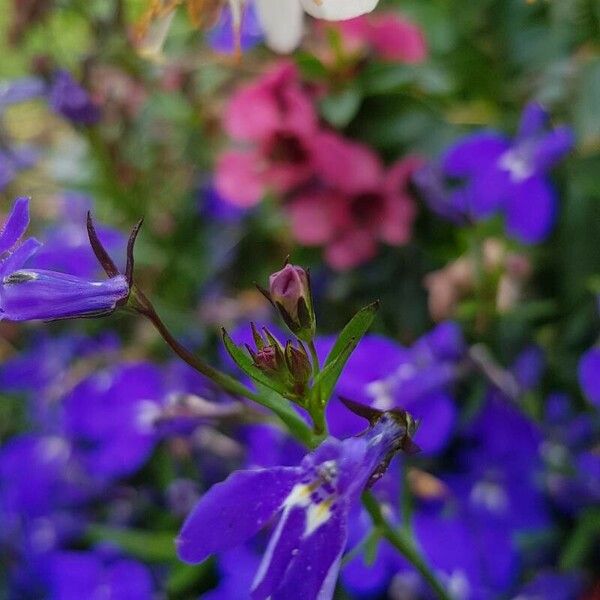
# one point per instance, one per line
(383, 374)
(39, 294)
(222, 37)
(589, 375)
(498, 175)
(21, 90)
(70, 100)
(313, 502)
(104, 417)
(97, 574)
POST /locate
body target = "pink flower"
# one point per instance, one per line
(388, 35)
(275, 120)
(359, 205)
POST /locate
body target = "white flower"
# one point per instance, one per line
(283, 20)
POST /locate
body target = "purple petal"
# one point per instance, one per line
(531, 210)
(533, 120)
(589, 375)
(473, 153)
(313, 570)
(19, 257)
(47, 295)
(20, 90)
(234, 510)
(438, 415)
(16, 224)
(488, 192)
(552, 147)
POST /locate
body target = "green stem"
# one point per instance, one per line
(296, 425)
(403, 541)
(315, 358)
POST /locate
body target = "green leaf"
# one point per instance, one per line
(150, 546)
(340, 108)
(341, 351)
(310, 66)
(245, 363)
(581, 541)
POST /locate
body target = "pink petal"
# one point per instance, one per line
(238, 178)
(311, 217)
(351, 250)
(347, 165)
(395, 38)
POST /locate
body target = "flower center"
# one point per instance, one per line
(287, 148)
(518, 162)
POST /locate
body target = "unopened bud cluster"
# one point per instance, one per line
(288, 365)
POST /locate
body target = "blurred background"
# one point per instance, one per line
(440, 157)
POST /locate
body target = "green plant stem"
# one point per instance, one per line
(404, 542)
(315, 358)
(296, 425)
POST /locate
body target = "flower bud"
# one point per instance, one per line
(298, 364)
(289, 292)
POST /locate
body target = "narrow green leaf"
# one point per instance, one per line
(342, 349)
(244, 362)
(340, 108)
(151, 546)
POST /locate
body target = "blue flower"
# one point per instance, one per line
(103, 416)
(70, 100)
(93, 574)
(383, 374)
(589, 375)
(497, 175)
(313, 502)
(222, 36)
(39, 294)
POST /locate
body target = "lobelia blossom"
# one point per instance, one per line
(224, 38)
(313, 502)
(382, 374)
(589, 375)
(69, 99)
(39, 294)
(504, 176)
(277, 135)
(358, 205)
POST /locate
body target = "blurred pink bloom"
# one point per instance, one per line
(275, 121)
(359, 205)
(388, 35)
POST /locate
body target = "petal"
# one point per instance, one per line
(338, 10)
(238, 178)
(533, 120)
(30, 295)
(349, 166)
(313, 571)
(552, 147)
(16, 224)
(312, 217)
(473, 153)
(282, 22)
(438, 415)
(531, 210)
(589, 375)
(395, 38)
(487, 192)
(300, 566)
(352, 249)
(234, 510)
(15, 260)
